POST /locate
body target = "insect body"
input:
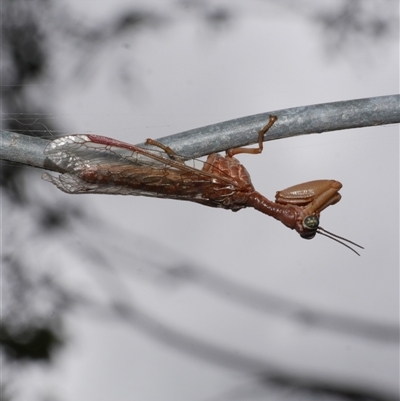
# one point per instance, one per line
(96, 164)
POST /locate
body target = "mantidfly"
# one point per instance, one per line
(97, 164)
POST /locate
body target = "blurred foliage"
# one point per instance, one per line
(30, 343)
(358, 22)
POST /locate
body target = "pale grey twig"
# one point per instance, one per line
(238, 132)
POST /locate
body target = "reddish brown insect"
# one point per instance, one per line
(96, 164)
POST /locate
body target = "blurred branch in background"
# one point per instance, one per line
(261, 372)
(162, 270)
(239, 132)
(269, 374)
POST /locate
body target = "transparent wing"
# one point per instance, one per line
(80, 156)
(76, 152)
(95, 164)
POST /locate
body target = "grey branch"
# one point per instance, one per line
(238, 132)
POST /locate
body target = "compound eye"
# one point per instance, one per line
(309, 235)
(311, 222)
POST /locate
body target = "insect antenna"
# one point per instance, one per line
(337, 238)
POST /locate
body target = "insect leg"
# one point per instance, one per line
(254, 151)
(165, 148)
